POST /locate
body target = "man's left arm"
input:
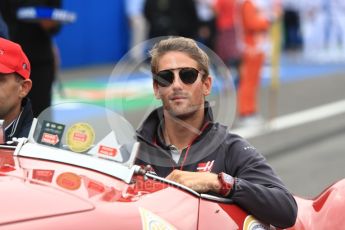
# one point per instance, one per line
(256, 187)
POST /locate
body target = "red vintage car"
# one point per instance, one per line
(76, 170)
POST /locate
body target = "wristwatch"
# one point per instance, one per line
(227, 183)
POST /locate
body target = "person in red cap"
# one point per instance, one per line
(15, 84)
(36, 39)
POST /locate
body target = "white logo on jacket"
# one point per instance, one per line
(205, 167)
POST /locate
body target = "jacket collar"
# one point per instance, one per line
(205, 144)
(153, 123)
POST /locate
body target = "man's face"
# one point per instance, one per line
(179, 99)
(10, 94)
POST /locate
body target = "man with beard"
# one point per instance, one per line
(181, 141)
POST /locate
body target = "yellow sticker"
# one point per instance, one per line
(80, 137)
(151, 221)
(250, 223)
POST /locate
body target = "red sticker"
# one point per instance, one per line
(43, 175)
(78, 136)
(108, 151)
(95, 186)
(48, 138)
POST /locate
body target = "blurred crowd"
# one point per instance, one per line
(316, 27)
(322, 24)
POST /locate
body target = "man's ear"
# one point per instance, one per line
(25, 88)
(207, 86)
(156, 90)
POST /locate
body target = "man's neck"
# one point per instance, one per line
(10, 117)
(181, 133)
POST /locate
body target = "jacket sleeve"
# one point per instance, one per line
(258, 190)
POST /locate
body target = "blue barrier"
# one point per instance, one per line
(99, 35)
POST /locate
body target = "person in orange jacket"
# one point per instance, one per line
(227, 44)
(253, 25)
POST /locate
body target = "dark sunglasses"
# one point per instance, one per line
(165, 78)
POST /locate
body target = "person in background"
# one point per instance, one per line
(313, 22)
(336, 28)
(182, 142)
(15, 84)
(135, 14)
(227, 38)
(254, 26)
(35, 37)
(3, 28)
(207, 22)
(171, 17)
(292, 25)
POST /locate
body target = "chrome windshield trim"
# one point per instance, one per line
(216, 198)
(7, 147)
(158, 178)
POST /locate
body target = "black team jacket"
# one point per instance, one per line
(258, 190)
(21, 127)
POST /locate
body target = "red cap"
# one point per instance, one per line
(13, 59)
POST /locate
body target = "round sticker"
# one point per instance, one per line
(250, 223)
(68, 180)
(80, 137)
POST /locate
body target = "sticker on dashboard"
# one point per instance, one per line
(80, 137)
(51, 134)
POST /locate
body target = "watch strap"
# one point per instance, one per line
(227, 183)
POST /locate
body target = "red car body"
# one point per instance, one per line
(50, 195)
(52, 187)
(40, 194)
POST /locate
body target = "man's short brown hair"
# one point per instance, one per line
(180, 44)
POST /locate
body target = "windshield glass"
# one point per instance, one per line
(130, 92)
(85, 129)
